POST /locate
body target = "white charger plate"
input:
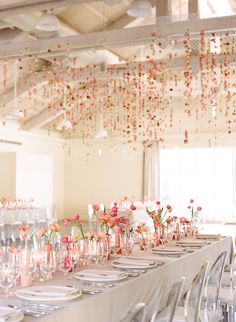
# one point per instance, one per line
(99, 278)
(5, 310)
(36, 297)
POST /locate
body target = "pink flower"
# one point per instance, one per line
(76, 217)
(114, 209)
(95, 207)
(191, 201)
(132, 207)
(65, 240)
(114, 214)
(67, 222)
(199, 208)
(158, 203)
(169, 208)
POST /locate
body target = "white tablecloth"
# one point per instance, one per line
(110, 305)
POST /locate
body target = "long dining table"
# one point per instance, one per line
(151, 287)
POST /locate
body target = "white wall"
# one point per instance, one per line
(36, 143)
(7, 174)
(34, 178)
(104, 172)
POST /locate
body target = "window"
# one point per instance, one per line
(206, 175)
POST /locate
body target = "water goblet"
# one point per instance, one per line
(6, 277)
(48, 264)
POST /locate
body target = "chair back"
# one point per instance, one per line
(193, 297)
(173, 299)
(171, 304)
(136, 314)
(213, 281)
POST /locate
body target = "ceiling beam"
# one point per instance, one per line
(131, 36)
(16, 7)
(41, 119)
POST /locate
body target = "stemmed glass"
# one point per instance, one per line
(65, 262)
(16, 268)
(105, 250)
(75, 252)
(94, 249)
(7, 278)
(48, 264)
(84, 251)
(147, 243)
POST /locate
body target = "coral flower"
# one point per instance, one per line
(55, 228)
(42, 232)
(24, 230)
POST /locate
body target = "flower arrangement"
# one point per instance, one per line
(76, 222)
(193, 211)
(160, 215)
(48, 234)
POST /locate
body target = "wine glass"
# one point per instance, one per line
(16, 267)
(75, 252)
(65, 262)
(84, 251)
(105, 250)
(48, 264)
(7, 278)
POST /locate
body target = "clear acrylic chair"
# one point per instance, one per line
(193, 298)
(136, 314)
(213, 282)
(167, 315)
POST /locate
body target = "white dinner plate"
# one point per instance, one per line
(9, 314)
(49, 293)
(134, 263)
(96, 275)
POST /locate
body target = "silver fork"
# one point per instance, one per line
(33, 313)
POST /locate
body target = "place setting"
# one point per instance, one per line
(48, 294)
(192, 243)
(169, 251)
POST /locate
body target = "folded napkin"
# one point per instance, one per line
(134, 262)
(100, 274)
(167, 249)
(49, 291)
(208, 236)
(8, 314)
(190, 242)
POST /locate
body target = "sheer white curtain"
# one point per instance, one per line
(151, 171)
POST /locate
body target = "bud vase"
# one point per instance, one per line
(48, 248)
